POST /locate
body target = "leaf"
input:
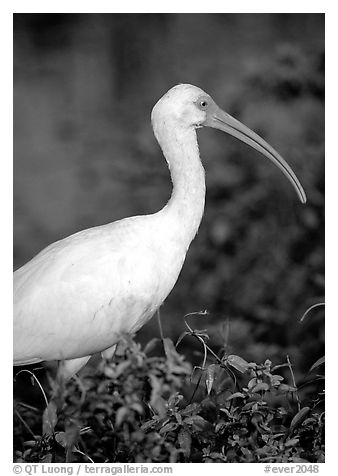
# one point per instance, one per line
(248, 406)
(176, 363)
(318, 363)
(121, 415)
(210, 377)
(238, 363)
(246, 451)
(169, 349)
(137, 407)
(292, 442)
(286, 388)
(276, 380)
(299, 417)
(190, 409)
(185, 440)
(268, 364)
(198, 422)
(156, 400)
(148, 425)
(260, 387)
(168, 427)
(235, 395)
(220, 426)
(122, 367)
(47, 458)
(29, 443)
(277, 377)
(109, 372)
(150, 346)
(226, 411)
(49, 419)
(252, 383)
(310, 421)
(60, 437)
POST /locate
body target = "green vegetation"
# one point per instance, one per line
(145, 407)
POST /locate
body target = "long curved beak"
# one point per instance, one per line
(219, 119)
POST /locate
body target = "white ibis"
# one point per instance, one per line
(78, 295)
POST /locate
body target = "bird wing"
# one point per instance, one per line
(78, 294)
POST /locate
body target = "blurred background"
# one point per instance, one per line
(84, 155)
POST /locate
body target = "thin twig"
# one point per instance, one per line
(84, 454)
(195, 389)
(37, 381)
(29, 407)
(206, 349)
(193, 333)
(310, 309)
(158, 314)
(293, 381)
(24, 423)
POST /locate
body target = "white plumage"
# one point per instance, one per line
(78, 295)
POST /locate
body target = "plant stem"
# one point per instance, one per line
(293, 381)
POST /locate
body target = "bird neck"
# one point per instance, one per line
(186, 205)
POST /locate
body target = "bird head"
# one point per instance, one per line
(185, 106)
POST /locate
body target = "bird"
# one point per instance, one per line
(79, 295)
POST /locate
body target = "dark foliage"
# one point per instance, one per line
(142, 407)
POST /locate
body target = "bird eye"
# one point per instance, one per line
(202, 103)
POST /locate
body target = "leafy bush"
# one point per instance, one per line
(144, 407)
